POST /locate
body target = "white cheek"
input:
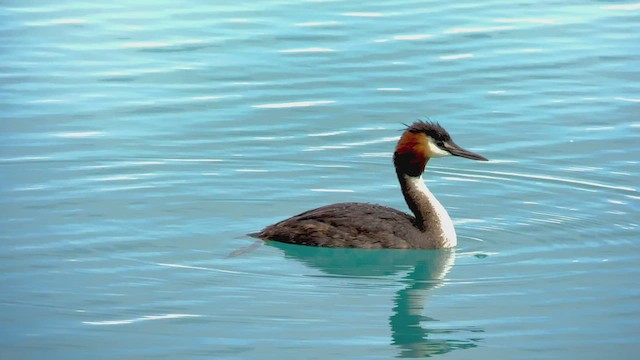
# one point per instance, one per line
(436, 151)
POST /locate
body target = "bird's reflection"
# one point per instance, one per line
(427, 269)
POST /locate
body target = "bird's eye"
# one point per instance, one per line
(440, 144)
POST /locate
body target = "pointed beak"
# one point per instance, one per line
(456, 150)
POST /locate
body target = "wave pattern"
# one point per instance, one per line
(141, 141)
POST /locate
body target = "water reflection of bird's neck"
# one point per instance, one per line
(428, 270)
(410, 302)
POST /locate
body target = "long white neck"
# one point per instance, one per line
(430, 214)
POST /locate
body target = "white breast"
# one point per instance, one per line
(448, 231)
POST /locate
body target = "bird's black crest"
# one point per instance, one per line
(432, 129)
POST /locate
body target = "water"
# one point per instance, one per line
(139, 143)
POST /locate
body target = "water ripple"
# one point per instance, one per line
(293, 104)
(363, 14)
(471, 30)
(306, 50)
(140, 143)
(317, 23)
(584, 183)
(79, 134)
(143, 318)
(456, 57)
(623, 7)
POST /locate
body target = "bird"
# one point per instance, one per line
(373, 226)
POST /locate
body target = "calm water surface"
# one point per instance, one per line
(140, 141)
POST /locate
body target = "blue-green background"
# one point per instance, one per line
(140, 141)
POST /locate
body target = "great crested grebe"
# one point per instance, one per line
(363, 225)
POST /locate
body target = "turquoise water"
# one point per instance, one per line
(139, 143)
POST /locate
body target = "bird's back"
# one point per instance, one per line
(358, 225)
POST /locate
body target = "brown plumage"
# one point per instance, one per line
(364, 225)
(358, 225)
